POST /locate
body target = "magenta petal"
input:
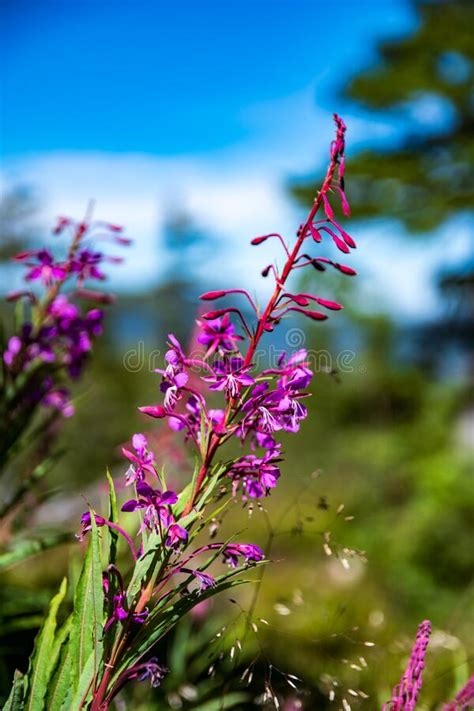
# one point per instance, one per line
(175, 424)
(131, 505)
(181, 379)
(139, 442)
(145, 489)
(169, 497)
(129, 455)
(33, 274)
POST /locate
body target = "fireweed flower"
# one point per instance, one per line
(230, 375)
(141, 462)
(405, 695)
(173, 386)
(44, 269)
(86, 266)
(13, 348)
(176, 536)
(205, 580)
(190, 419)
(86, 524)
(156, 505)
(120, 613)
(248, 551)
(218, 335)
(59, 400)
(257, 475)
(175, 356)
(150, 670)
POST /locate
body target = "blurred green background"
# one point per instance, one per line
(390, 434)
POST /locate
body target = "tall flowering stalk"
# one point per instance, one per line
(54, 335)
(405, 694)
(52, 340)
(119, 618)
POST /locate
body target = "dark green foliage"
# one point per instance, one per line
(427, 177)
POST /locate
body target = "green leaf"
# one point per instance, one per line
(142, 567)
(17, 693)
(113, 516)
(25, 549)
(60, 679)
(88, 613)
(44, 655)
(83, 689)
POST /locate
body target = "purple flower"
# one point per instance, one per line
(118, 603)
(120, 612)
(405, 695)
(156, 505)
(172, 387)
(142, 462)
(86, 265)
(149, 670)
(248, 551)
(205, 580)
(268, 411)
(59, 400)
(294, 371)
(218, 335)
(191, 419)
(13, 348)
(61, 308)
(93, 323)
(230, 375)
(175, 356)
(44, 269)
(258, 475)
(175, 378)
(176, 536)
(86, 524)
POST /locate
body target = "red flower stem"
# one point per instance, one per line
(255, 339)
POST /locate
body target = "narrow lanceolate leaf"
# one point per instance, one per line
(44, 656)
(88, 613)
(153, 553)
(17, 693)
(112, 536)
(59, 684)
(83, 691)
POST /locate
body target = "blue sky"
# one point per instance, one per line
(207, 107)
(172, 78)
